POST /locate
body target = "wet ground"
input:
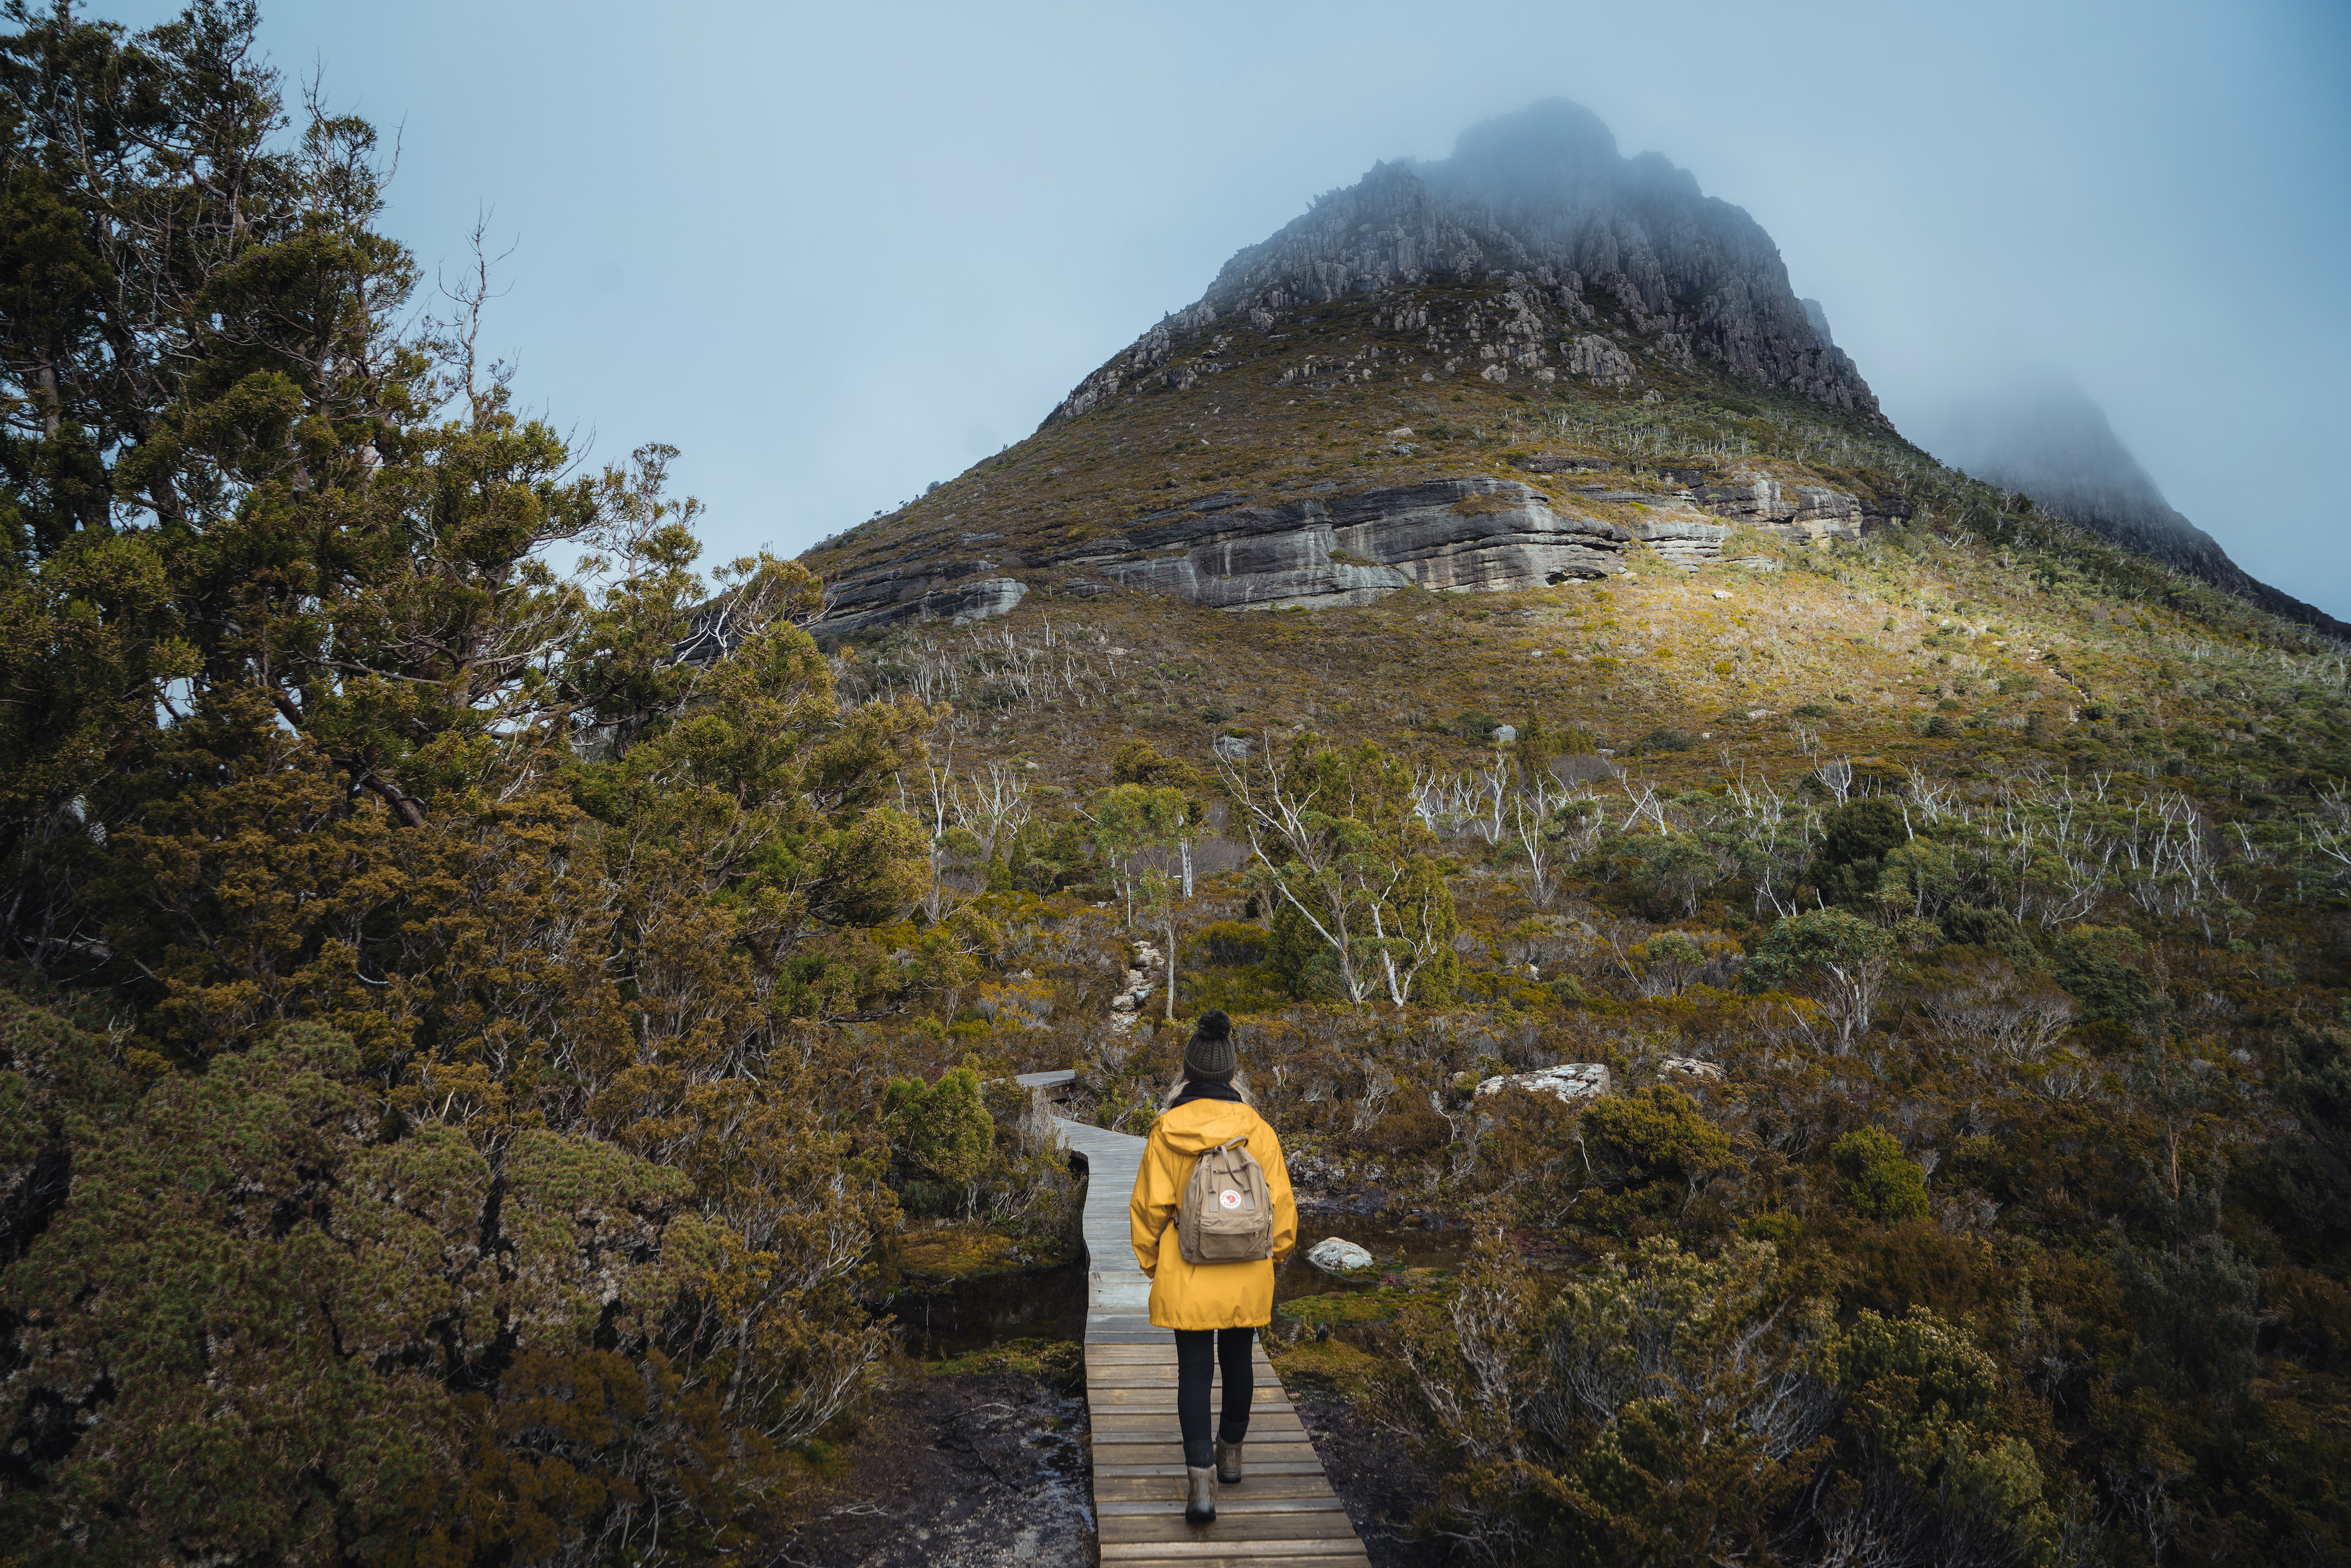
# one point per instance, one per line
(969, 1471)
(1393, 1244)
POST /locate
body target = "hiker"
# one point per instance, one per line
(1212, 1213)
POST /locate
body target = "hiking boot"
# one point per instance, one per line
(1229, 1463)
(1200, 1496)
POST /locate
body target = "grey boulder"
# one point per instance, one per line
(1337, 1257)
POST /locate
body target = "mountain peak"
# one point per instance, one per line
(1541, 202)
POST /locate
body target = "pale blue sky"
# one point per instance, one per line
(835, 252)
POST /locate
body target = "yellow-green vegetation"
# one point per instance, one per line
(1329, 1366)
(1059, 1362)
(1371, 1304)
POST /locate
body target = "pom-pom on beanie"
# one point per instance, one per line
(1210, 1055)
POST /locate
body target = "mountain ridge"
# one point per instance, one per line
(2044, 436)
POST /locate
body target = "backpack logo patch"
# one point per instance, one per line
(1229, 1198)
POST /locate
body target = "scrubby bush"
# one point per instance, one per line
(1856, 838)
(1879, 1181)
(1653, 1154)
(266, 1314)
(2101, 967)
(1234, 942)
(940, 1130)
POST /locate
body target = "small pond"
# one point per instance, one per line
(1392, 1244)
(960, 1316)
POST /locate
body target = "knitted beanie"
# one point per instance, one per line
(1211, 1054)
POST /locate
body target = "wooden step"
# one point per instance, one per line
(1255, 1485)
(1170, 1525)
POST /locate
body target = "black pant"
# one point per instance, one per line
(1198, 1354)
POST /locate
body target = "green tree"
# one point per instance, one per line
(1652, 1154)
(2309, 1174)
(1839, 959)
(347, 743)
(2100, 967)
(1856, 838)
(1926, 1408)
(1336, 842)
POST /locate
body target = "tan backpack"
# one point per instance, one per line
(1228, 1211)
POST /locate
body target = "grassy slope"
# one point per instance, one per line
(1973, 611)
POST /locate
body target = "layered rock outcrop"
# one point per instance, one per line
(1477, 534)
(1461, 535)
(935, 591)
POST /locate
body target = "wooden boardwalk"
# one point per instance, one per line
(1282, 1515)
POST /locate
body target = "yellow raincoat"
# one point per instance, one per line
(1205, 1295)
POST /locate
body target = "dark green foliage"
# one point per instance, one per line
(2303, 1179)
(1665, 738)
(1879, 1181)
(2314, 1083)
(2194, 1298)
(1994, 930)
(1234, 942)
(1924, 1406)
(1296, 955)
(1473, 726)
(1670, 870)
(2100, 968)
(1537, 746)
(1854, 839)
(246, 1232)
(1046, 857)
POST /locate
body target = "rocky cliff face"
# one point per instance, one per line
(1472, 534)
(2046, 437)
(1572, 238)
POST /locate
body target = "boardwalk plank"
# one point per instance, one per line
(1169, 1524)
(1174, 1445)
(1258, 1488)
(1237, 1554)
(1260, 1467)
(1227, 1503)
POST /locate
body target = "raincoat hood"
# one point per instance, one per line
(1195, 1127)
